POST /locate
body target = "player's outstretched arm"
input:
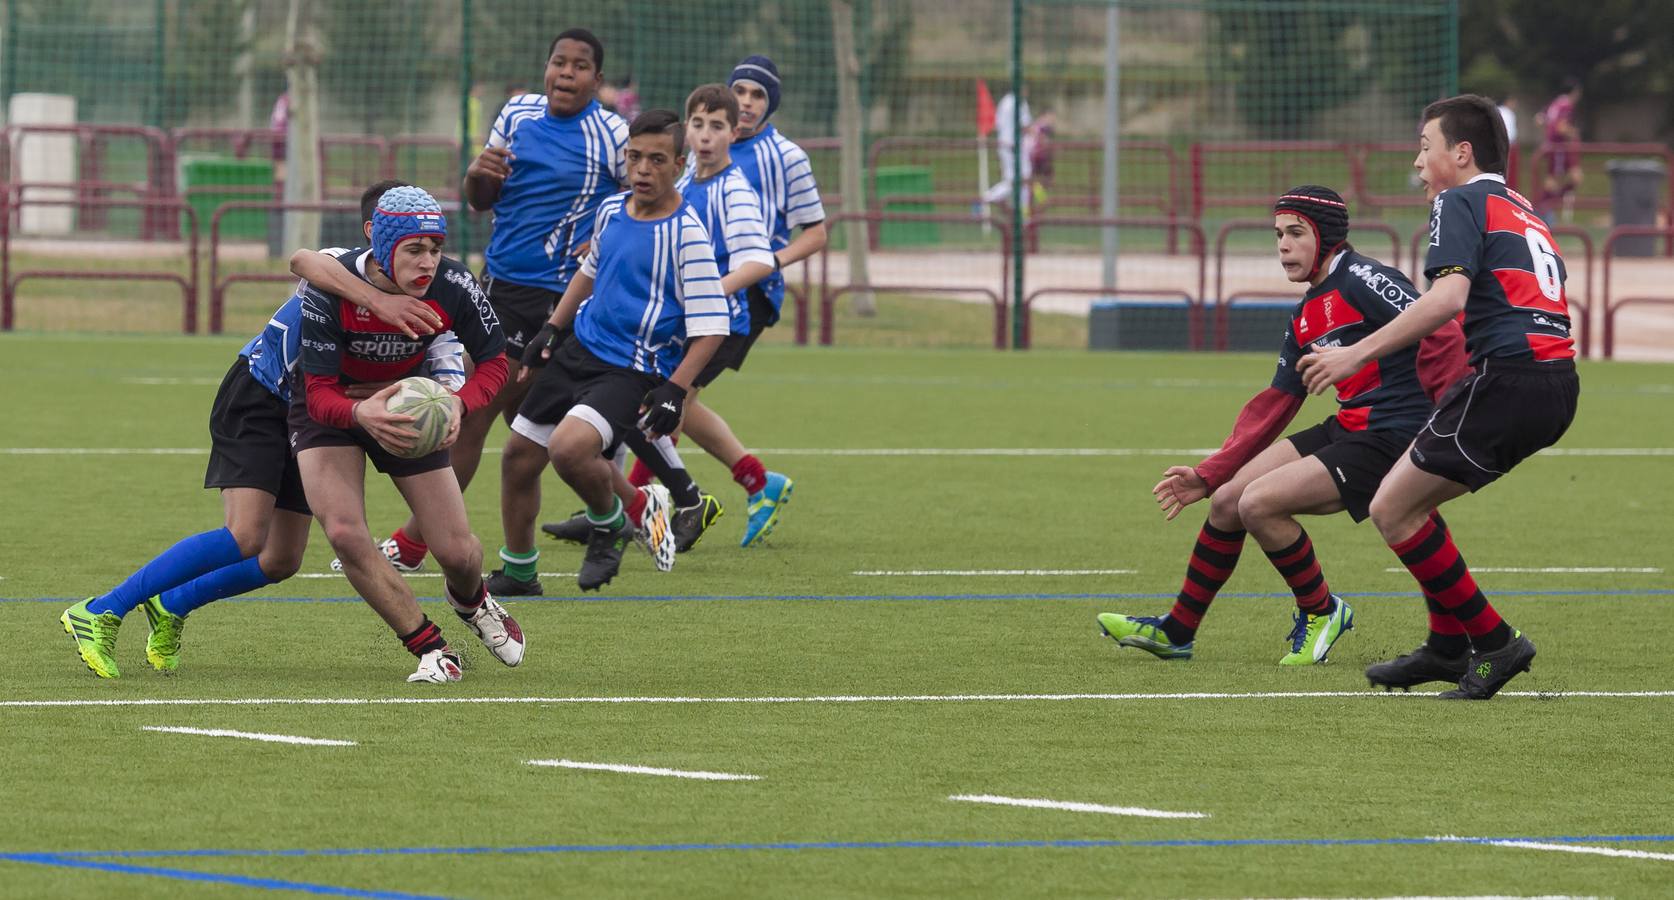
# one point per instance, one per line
(1326, 366)
(412, 316)
(1181, 487)
(743, 276)
(809, 241)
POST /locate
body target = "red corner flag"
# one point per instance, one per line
(984, 110)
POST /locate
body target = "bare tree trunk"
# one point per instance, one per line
(848, 131)
(244, 67)
(302, 176)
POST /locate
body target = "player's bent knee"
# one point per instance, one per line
(460, 554)
(1224, 506)
(279, 565)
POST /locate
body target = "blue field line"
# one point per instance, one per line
(919, 598)
(81, 861)
(996, 844)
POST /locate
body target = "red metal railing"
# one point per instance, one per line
(1611, 303)
(1170, 226)
(829, 296)
(10, 279)
(1278, 165)
(1540, 161)
(218, 285)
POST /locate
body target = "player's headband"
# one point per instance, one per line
(403, 213)
(1324, 211)
(761, 72)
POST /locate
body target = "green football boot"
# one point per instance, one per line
(1312, 636)
(162, 647)
(1144, 632)
(95, 637)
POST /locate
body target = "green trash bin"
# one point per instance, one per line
(909, 181)
(243, 179)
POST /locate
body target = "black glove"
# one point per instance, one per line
(664, 405)
(549, 338)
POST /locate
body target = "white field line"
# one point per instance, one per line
(1458, 897)
(434, 574)
(643, 770)
(251, 736)
(1559, 570)
(1071, 806)
(835, 698)
(921, 573)
(1583, 848)
(857, 451)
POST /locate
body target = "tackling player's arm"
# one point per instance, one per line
(1456, 238)
(1445, 299)
(326, 272)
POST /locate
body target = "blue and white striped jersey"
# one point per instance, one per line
(562, 167)
(779, 171)
(275, 351)
(655, 285)
(731, 212)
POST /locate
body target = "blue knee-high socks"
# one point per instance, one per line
(194, 556)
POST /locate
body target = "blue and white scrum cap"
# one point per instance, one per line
(760, 71)
(404, 212)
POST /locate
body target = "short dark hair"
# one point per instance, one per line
(1473, 119)
(369, 197)
(660, 121)
(715, 97)
(584, 36)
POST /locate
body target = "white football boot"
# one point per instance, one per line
(655, 531)
(490, 622)
(391, 552)
(437, 667)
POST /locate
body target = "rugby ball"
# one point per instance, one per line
(431, 407)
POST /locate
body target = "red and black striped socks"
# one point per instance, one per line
(1450, 593)
(1213, 558)
(425, 638)
(1300, 570)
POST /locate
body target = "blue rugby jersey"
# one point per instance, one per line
(780, 172)
(731, 212)
(655, 285)
(562, 168)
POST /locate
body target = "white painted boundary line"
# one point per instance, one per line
(836, 698)
(1071, 806)
(433, 574)
(920, 573)
(1583, 848)
(642, 770)
(251, 735)
(1559, 570)
(859, 451)
(1457, 897)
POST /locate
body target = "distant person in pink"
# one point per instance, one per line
(1561, 150)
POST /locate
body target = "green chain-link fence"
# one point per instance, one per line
(1213, 98)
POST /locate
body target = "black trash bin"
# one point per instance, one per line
(1636, 191)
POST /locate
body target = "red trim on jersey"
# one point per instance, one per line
(328, 401)
(1504, 215)
(1259, 422)
(1323, 315)
(1354, 418)
(1442, 359)
(485, 382)
(1369, 378)
(1522, 290)
(1548, 347)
